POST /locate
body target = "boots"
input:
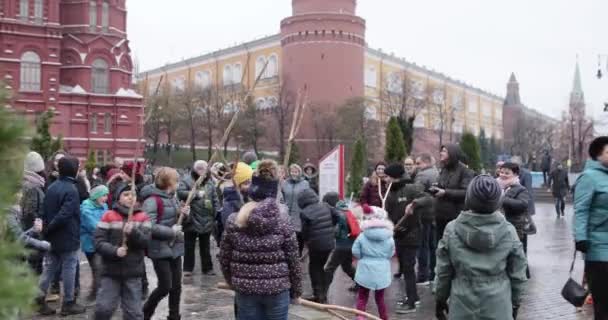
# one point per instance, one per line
(72, 308)
(43, 307)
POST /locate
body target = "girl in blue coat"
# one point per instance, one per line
(91, 211)
(374, 248)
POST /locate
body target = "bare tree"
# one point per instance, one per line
(324, 124)
(250, 127)
(282, 115)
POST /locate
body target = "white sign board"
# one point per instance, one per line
(331, 172)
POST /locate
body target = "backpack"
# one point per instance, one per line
(353, 225)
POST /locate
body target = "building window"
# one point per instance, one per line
(227, 75)
(259, 66)
(38, 10)
(472, 105)
(395, 83)
(107, 123)
(24, 6)
(93, 123)
(203, 79)
(237, 73)
(272, 70)
(371, 77)
(370, 113)
(92, 15)
(438, 96)
(105, 16)
(100, 76)
(179, 83)
(30, 72)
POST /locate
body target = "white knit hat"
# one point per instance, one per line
(33, 162)
(374, 213)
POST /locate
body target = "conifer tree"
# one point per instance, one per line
(470, 147)
(395, 145)
(358, 165)
(294, 156)
(42, 142)
(91, 162)
(484, 150)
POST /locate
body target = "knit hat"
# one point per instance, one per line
(250, 157)
(33, 162)
(484, 195)
(98, 192)
(242, 173)
(122, 187)
(254, 165)
(395, 171)
(331, 198)
(374, 213)
(68, 167)
(264, 184)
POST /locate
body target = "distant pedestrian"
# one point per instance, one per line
(481, 265)
(591, 223)
(559, 187)
(374, 248)
(291, 189)
(545, 166)
(312, 176)
(375, 188)
(91, 211)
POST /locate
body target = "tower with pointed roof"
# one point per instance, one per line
(577, 96)
(512, 98)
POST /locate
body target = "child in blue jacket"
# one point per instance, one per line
(91, 211)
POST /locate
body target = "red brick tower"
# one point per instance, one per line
(323, 50)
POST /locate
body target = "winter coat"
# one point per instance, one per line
(525, 179)
(402, 193)
(61, 215)
(313, 179)
(515, 207)
(232, 203)
(292, 188)
(202, 209)
(481, 267)
(591, 210)
(560, 185)
(90, 215)
(164, 244)
(29, 238)
(109, 237)
(427, 178)
(370, 195)
(260, 256)
(32, 200)
(545, 163)
(454, 178)
(318, 221)
(374, 248)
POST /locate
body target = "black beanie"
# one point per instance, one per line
(395, 171)
(68, 167)
(484, 195)
(331, 198)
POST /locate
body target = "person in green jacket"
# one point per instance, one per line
(481, 265)
(591, 223)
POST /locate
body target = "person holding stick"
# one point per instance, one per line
(167, 245)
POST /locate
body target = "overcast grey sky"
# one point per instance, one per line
(478, 41)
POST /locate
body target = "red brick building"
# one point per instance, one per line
(73, 57)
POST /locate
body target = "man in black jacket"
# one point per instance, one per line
(451, 188)
(61, 219)
(318, 222)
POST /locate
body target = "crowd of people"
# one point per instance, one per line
(464, 234)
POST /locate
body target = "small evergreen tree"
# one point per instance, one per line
(91, 162)
(17, 283)
(395, 145)
(42, 142)
(294, 156)
(484, 150)
(358, 165)
(470, 147)
(407, 129)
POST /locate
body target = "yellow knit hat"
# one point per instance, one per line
(242, 173)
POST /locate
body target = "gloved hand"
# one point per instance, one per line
(515, 312)
(582, 246)
(441, 310)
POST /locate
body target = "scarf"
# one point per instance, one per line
(33, 178)
(507, 183)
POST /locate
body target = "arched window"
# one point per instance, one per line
(259, 66)
(107, 123)
(272, 70)
(105, 16)
(24, 8)
(30, 72)
(93, 123)
(38, 10)
(92, 15)
(237, 73)
(100, 77)
(227, 75)
(420, 121)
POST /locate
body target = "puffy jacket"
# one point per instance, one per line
(515, 206)
(318, 222)
(454, 178)
(481, 267)
(109, 237)
(370, 195)
(260, 256)
(202, 209)
(32, 199)
(292, 188)
(403, 193)
(61, 215)
(374, 249)
(560, 185)
(90, 215)
(427, 178)
(164, 244)
(591, 210)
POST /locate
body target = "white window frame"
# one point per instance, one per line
(227, 75)
(259, 65)
(237, 73)
(38, 10)
(105, 16)
(100, 76)
(371, 77)
(179, 83)
(272, 70)
(24, 9)
(30, 72)
(92, 15)
(203, 79)
(420, 121)
(395, 83)
(472, 106)
(107, 123)
(93, 124)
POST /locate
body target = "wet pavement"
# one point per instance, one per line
(549, 254)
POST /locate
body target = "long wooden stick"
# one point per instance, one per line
(336, 314)
(318, 306)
